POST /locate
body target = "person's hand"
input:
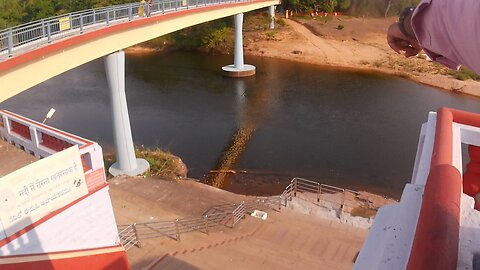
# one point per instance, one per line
(401, 43)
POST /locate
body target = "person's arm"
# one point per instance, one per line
(449, 31)
(401, 37)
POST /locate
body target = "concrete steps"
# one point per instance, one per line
(281, 242)
(286, 240)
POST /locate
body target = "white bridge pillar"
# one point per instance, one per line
(271, 11)
(126, 162)
(239, 68)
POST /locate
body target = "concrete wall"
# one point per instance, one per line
(87, 224)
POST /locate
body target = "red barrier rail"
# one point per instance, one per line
(54, 143)
(21, 130)
(435, 245)
(50, 141)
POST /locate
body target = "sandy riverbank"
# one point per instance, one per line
(360, 45)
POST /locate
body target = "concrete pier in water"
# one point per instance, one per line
(239, 68)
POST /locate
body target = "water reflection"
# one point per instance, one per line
(248, 112)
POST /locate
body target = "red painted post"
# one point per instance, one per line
(435, 245)
(471, 178)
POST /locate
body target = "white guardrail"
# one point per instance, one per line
(42, 141)
(37, 33)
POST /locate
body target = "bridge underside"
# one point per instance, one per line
(29, 69)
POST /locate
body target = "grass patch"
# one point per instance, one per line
(464, 74)
(162, 163)
(281, 22)
(271, 35)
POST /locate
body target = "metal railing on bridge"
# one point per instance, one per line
(34, 34)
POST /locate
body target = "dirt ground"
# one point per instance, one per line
(12, 158)
(359, 45)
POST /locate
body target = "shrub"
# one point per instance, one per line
(340, 26)
(215, 38)
(464, 74)
(461, 76)
(162, 163)
(271, 35)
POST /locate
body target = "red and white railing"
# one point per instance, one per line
(42, 141)
(436, 241)
(424, 230)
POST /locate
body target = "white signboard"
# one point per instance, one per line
(29, 194)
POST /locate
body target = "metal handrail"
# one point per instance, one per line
(44, 31)
(322, 192)
(230, 214)
(238, 213)
(287, 193)
(128, 236)
(225, 214)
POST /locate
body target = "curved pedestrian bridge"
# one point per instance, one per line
(37, 51)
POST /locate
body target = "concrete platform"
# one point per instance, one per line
(232, 71)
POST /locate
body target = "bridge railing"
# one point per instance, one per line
(37, 33)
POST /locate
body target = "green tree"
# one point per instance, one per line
(217, 37)
(328, 5)
(11, 13)
(65, 6)
(344, 5)
(38, 9)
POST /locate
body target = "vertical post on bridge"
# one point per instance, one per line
(271, 11)
(126, 162)
(10, 42)
(239, 68)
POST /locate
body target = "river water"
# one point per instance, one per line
(348, 129)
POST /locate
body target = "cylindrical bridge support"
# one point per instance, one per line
(271, 12)
(126, 162)
(239, 68)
